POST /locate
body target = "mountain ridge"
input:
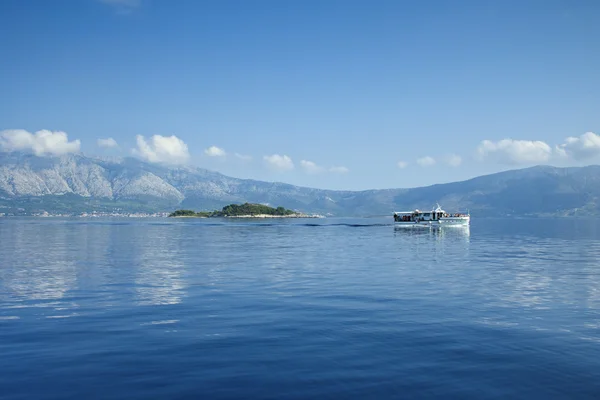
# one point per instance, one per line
(79, 183)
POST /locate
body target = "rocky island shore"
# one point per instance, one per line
(246, 210)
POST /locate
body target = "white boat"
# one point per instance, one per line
(436, 217)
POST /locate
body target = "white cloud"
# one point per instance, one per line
(339, 170)
(281, 163)
(402, 164)
(214, 151)
(162, 149)
(108, 143)
(509, 151)
(560, 152)
(40, 143)
(310, 167)
(426, 161)
(454, 160)
(243, 157)
(579, 148)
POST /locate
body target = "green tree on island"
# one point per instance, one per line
(235, 210)
(183, 213)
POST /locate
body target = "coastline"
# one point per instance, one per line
(274, 216)
(255, 216)
(187, 216)
(245, 210)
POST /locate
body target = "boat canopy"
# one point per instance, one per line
(417, 211)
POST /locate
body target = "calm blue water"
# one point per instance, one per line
(336, 308)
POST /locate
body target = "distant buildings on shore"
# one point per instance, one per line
(92, 214)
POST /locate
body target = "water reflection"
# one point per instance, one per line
(51, 281)
(51, 263)
(37, 262)
(529, 289)
(160, 284)
(159, 269)
(454, 234)
(60, 264)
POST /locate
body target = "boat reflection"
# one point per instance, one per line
(434, 244)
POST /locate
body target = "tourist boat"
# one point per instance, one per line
(436, 217)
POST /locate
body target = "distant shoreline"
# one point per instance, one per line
(255, 216)
(275, 216)
(245, 210)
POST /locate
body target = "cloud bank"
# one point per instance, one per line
(243, 157)
(214, 151)
(581, 148)
(310, 167)
(43, 142)
(279, 163)
(426, 161)
(107, 143)
(402, 164)
(162, 149)
(339, 170)
(514, 152)
(454, 160)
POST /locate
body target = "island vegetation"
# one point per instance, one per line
(243, 210)
(185, 213)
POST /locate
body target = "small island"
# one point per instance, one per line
(246, 210)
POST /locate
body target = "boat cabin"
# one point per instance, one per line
(416, 215)
(424, 216)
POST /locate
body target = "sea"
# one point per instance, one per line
(332, 308)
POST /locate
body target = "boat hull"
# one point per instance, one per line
(451, 221)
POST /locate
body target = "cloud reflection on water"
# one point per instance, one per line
(38, 265)
(159, 268)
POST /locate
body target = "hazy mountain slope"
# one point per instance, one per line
(77, 182)
(536, 190)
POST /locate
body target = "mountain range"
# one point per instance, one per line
(76, 183)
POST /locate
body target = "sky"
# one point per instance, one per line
(337, 94)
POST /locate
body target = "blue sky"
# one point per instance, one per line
(337, 94)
